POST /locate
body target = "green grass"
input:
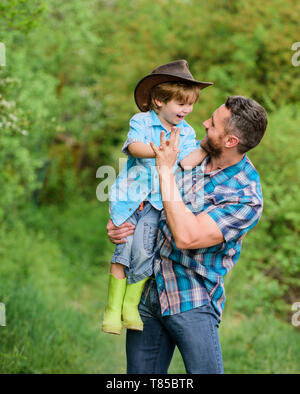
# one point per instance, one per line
(54, 276)
(54, 289)
(260, 344)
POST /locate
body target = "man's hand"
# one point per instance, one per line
(166, 154)
(117, 234)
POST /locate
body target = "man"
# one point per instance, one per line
(184, 304)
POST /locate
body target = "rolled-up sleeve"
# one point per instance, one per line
(136, 134)
(235, 219)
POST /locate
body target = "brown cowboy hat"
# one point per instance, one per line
(177, 71)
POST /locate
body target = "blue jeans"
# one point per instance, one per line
(194, 332)
(138, 252)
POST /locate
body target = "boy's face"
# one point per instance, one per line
(173, 112)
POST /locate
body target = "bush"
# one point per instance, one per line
(18, 166)
(273, 248)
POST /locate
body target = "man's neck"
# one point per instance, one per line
(222, 162)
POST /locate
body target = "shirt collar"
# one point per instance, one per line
(221, 175)
(155, 121)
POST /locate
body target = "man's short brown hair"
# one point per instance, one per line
(248, 121)
(167, 91)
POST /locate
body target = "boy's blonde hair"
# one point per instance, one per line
(167, 91)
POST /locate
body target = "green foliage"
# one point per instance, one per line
(17, 176)
(259, 345)
(54, 299)
(66, 96)
(252, 59)
(75, 227)
(274, 246)
(19, 15)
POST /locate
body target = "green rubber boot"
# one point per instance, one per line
(130, 312)
(112, 316)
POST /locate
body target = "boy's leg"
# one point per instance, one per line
(112, 315)
(143, 244)
(130, 313)
(117, 286)
(141, 265)
(118, 270)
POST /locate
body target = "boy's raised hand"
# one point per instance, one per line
(166, 153)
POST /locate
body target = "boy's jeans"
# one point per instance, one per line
(194, 332)
(138, 252)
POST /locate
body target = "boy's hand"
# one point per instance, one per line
(117, 234)
(166, 154)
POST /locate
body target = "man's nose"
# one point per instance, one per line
(205, 124)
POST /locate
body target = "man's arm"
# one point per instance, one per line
(189, 231)
(116, 234)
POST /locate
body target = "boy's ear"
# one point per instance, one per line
(158, 103)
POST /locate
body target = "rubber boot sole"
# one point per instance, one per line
(132, 326)
(111, 330)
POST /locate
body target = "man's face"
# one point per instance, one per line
(213, 142)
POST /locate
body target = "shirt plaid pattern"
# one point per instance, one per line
(186, 278)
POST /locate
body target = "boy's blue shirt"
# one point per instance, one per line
(138, 180)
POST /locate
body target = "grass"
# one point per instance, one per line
(54, 272)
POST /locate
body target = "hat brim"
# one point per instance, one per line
(143, 88)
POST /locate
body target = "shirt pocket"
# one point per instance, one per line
(221, 197)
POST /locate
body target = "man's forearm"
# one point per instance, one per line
(180, 219)
(189, 231)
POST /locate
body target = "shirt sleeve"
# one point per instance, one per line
(235, 219)
(136, 134)
(188, 145)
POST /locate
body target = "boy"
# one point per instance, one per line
(165, 97)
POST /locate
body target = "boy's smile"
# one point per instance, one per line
(173, 112)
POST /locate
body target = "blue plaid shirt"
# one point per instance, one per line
(190, 278)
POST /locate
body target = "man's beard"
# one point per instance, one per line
(213, 149)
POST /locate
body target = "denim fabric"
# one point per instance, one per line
(194, 332)
(138, 180)
(138, 252)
